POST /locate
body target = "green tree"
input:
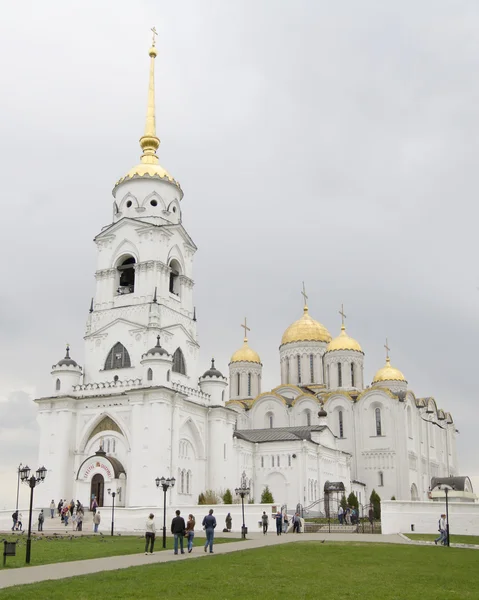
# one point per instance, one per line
(228, 497)
(267, 496)
(201, 499)
(343, 502)
(353, 500)
(393, 497)
(375, 500)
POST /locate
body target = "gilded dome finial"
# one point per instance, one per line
(387, 351)
(246, 329)
(149, 143)
(305, 297)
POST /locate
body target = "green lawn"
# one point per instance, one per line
(49, 549)
(296, 571)
(455, 539)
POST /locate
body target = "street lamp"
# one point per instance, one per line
(113, 494)
(165, 484)
(242, 492)
(18, 485)
(32, 481)
(446, 491)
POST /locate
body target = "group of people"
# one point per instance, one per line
(182, 530)
(282, 522)
(66, 510)
(348, 515)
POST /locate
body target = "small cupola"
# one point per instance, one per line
(156, 364)
(214, 383)
(66, 374)
(390, 377)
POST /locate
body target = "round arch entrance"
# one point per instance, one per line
(97, 489)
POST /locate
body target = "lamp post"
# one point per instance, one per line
(18, 485)
(446, 491)
(165, 484)
(32, 481)
(243, 491)
(113, 494)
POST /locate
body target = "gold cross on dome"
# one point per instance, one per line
(343, 316)
(155, 34)
(387, 349)
(246, 329)
(303, 293)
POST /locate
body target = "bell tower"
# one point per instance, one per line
(144, 274)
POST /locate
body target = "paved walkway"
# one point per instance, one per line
(24, 575)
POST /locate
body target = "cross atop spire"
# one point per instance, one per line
(387, 349)
(343, 316)
(155, 35)
(246, 329)
(303, 293)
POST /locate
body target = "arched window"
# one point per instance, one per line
(289, 460)
(118, 358)
(182, 483)
(179, 362)
(223, 397)
(287, 369)
(353, 382)
(58, 385)
(377, 413)
(278, 464)
(262, 461)
(341, 425)
(340, 375)
(149, 375)
(308, 417)
(311, 367)
(175, 271)
(249, 384)
(113, 441)
(381, 479)
(269, 420)
(168, 375)
(126, 270)
(272, 461)
(188, 482)
(298, 358)
(238, 384)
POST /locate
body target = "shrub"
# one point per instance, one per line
(375, 500)
(228, 497)
(267, 496)
(208, 497)
(353, 500)
(393, 497)
(343, 502)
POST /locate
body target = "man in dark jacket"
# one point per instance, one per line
(15, 519)
(178, 527)
(209, 523)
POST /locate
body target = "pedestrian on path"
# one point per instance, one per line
(285, 522)
(80, 519)
(41, 518)
(228, 521)
(15, 519)
(340, 514)
(178, 529)
(94, 505)
(96, 521)
(65, 514)
(279, 522)
(52, 508)
(209, 524)
(190, 531)
(19, 522)
(60, 506)
(442, 538)
(296, 523)
(150, 533)
(264, 519)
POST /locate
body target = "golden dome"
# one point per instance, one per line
(343, 342)
(306, 329)
(388, 373)
(245, 354)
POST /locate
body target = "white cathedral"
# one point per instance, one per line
(143, 404)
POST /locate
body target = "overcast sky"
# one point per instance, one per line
(335, 143)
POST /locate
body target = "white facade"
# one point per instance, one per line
(140, 407)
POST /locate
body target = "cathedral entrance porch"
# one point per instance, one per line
(97, 489)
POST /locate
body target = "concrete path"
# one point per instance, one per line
(24, 575)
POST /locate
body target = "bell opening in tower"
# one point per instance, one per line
(174, 278)
(126, 271)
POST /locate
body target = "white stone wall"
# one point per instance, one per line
(288, 354)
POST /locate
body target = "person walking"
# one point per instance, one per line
(340, 514)
(52, 509)
(80, 515)
(296, 523)
(190, 531)
(96, 521)
(228, 521)
(178, 528)
(94, 505)
(41, 518)
(15, 519)
(285, 522)
(264, 519)
(442, 538)
(279, 522)
(150, 533)
(65, 514)
(19, 522)
(60, 506)
(209, 523)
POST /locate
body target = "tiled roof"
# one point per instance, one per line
(277, 434)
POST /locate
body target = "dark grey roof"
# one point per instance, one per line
(69, 362)
(212, 371)
(157, 349)
(456, 483)
(278, 434)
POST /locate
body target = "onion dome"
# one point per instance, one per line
(212, 371)
(322, 412)
(388, 373)
(306, 329)
(67, 361)
(157, 349)
(343, 342)
(149, 166)
(245, 354)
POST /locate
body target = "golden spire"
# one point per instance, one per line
(149, 142)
